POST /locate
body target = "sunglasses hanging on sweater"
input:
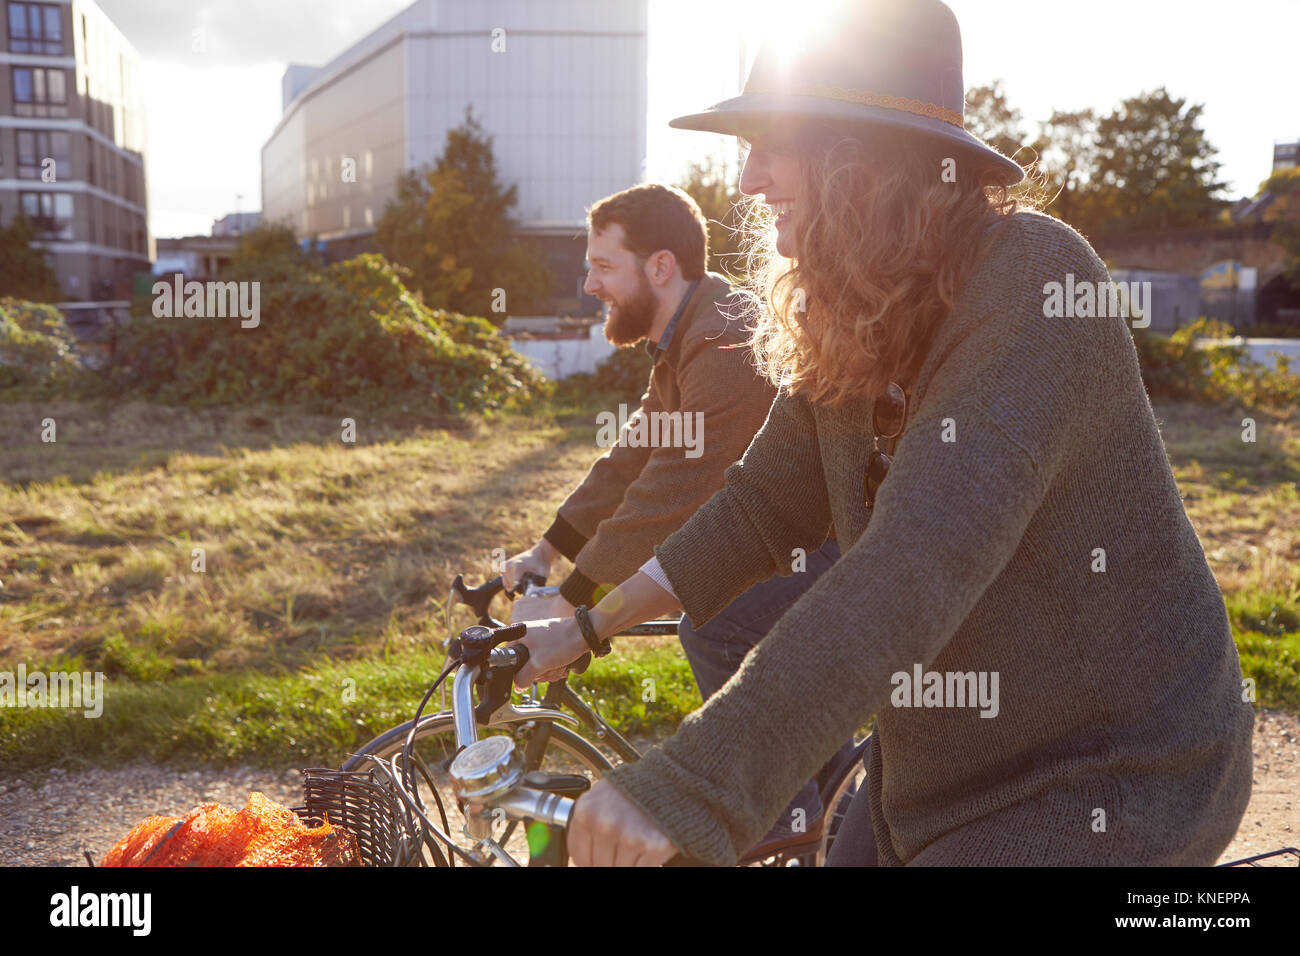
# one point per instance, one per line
(888, 412)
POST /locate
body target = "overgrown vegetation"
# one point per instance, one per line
(333, 337)
(1178, 367)
(38, 353)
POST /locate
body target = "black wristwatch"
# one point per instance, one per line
(598, 647)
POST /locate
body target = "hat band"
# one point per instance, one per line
(885, 100)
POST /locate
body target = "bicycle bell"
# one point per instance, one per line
(485, 769)
(476, 638)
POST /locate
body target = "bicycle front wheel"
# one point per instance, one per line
(435, 744)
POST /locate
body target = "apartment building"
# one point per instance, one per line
(72, 146)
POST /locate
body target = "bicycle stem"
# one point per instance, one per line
(462, 706)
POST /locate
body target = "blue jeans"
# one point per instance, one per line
(716, 649)
(855, 843)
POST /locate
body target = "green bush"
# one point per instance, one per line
(1176, 367)
(351, 331)
(38, 353)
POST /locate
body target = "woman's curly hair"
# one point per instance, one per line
(886, 239)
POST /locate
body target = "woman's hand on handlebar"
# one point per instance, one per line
(607, 829)
(553, 644)
(536, 559)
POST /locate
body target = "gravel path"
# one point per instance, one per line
(49, 819)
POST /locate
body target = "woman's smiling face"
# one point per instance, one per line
(772, 171)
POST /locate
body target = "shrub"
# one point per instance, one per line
(37, 350)
(351, 331)
(1176, 367)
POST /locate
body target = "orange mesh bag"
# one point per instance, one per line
(135, 846)
(260, 818)
(264, 833)
(306, 846)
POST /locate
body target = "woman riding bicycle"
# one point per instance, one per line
(995, 477)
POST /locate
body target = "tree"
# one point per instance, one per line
(24, 271)
(715, 190)
(272, 249)
(990, 118)
(451, 226)
(1155, 169)
(1148, 165)
(1067, 149)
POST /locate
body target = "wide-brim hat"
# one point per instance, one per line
(894, 63)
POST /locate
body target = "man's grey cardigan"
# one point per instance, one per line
(1030, 454)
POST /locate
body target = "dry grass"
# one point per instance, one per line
(310, 544)
(1241, 497)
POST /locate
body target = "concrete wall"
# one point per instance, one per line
(1175, 299)
(559, 358)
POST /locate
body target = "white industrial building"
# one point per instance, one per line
(560, 86)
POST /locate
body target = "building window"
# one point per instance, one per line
(50, 213)
(37, 145)
(35, 28)
(39, 91)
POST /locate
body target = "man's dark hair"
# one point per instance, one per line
(657, 217)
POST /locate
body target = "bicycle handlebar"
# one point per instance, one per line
(517, 799)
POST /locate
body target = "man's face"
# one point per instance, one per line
(772, 169)
(617, 277)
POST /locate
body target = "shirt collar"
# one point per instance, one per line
(653, 349)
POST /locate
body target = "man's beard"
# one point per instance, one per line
(630, 322)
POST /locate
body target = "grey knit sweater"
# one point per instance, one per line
(1030, 457)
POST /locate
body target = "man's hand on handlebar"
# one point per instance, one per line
(536, 559)
(539, 608)
(553, 645)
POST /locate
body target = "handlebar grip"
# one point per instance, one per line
(581, 664)
(509, 658)
(511, 632)
(682, 860)
(521, 656)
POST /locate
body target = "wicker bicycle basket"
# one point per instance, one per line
(369, 809)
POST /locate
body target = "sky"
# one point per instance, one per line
(209, 111)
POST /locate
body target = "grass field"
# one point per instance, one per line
(316, 620)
